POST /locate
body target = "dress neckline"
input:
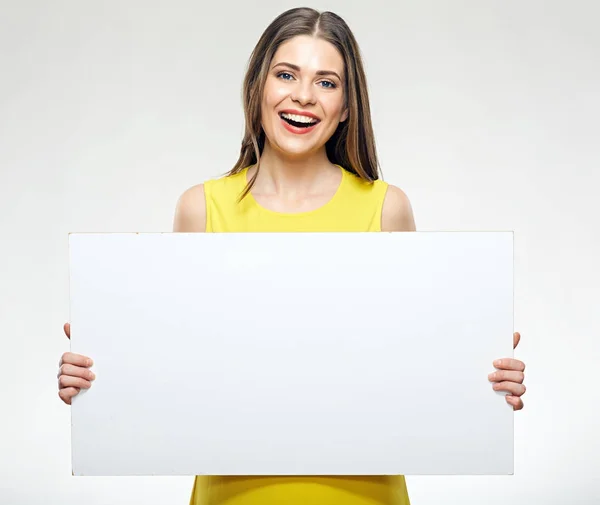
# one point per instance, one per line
(325, 206)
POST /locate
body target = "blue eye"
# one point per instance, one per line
(287, 77)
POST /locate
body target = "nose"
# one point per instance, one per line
(303, 93)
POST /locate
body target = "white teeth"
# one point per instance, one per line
(298, 119)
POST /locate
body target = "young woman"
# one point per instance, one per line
(307, 163)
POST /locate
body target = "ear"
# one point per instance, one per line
(344, 115)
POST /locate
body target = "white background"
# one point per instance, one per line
(486, 114)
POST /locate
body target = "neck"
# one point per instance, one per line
(281, 174)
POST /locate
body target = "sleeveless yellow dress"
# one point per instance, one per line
(356, 207)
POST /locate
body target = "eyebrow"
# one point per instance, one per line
(297, 69)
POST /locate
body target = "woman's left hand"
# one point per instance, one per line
(510, 377)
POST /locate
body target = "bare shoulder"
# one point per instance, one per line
(397, 213)
(190, 211)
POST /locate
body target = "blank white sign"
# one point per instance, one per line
(292, 354)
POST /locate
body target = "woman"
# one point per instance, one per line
(307, 163)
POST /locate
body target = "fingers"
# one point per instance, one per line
(75, 359)
(67, 381)
(513, 388)
(73, 373)
(510, 377)
(507, 375)
(515, 401)
(516, 339)
(510, 364)
(67, 394)
(76, 371)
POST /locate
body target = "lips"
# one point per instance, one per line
(300, 113)
(299, 121)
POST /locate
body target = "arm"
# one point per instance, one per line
(397, 213)
(190, 211)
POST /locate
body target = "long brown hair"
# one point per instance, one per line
(352, 145)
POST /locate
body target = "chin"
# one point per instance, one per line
(292, 143)
(296, 146)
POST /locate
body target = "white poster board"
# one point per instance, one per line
(292, 354)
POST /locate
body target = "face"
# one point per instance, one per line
(303, 100)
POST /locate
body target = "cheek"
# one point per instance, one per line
(334, 107)
(274, 94)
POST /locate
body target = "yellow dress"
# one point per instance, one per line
(356, 207)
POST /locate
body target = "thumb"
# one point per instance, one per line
(67, 328)
(516, 339)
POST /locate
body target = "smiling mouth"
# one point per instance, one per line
(298, 121)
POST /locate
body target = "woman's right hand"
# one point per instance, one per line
(73, 373)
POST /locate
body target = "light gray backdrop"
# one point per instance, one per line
(486, 114)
